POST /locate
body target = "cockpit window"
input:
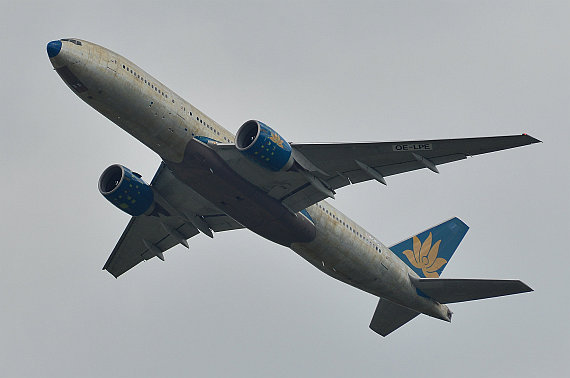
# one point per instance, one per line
(74, 41)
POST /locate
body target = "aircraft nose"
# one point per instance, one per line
(53, 48)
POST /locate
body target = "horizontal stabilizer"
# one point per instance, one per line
(452, 290)
(390, 316)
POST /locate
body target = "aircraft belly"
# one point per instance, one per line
(207, 174)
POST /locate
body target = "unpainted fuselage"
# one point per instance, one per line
(167, 124)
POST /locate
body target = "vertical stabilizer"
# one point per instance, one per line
(428, 252)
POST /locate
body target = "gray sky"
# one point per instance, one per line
(315, 71)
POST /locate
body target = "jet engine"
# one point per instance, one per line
(126, 190)
(264, 146)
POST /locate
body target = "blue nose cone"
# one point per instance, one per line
(53, 48)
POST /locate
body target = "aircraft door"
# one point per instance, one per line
(182, 111)
(112, 63)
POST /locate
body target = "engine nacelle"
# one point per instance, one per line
(264, 146)
(126, 190)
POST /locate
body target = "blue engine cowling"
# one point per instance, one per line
(126, 190)
(264, 146)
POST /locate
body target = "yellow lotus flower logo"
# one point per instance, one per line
(424, 257)
(275, 138)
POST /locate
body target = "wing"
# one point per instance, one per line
(327, 167)
(179, 215)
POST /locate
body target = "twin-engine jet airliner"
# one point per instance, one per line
(212, 181)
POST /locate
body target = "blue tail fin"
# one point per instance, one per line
(428, 252)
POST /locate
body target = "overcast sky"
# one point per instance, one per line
(242, 306)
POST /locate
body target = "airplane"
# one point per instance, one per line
(211, 180)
